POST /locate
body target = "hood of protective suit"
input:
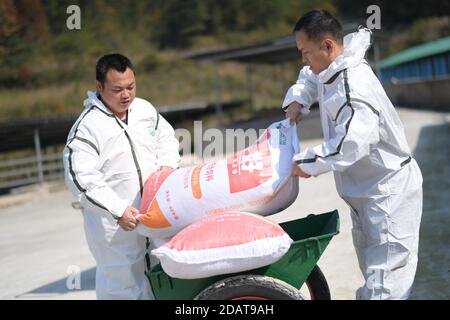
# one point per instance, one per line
(355, 47)
(92, 99)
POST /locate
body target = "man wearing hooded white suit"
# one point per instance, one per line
(115, 144)
(365, 146)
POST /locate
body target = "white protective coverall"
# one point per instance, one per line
(366, 148)
(106, 163)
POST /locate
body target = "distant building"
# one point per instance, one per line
(423, 62)
(419, 77)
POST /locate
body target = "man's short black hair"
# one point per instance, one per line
(316, 24)
(114, 61)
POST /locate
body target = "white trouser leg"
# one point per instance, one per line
(385, 234)
(120, 257)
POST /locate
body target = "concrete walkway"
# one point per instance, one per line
(42, 239)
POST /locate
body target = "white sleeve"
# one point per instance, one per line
(167, 146)
(357, 129)
(85, 182)
(304, 91)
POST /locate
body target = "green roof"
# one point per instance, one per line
(414, 53)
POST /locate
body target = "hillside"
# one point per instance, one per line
(45, 68)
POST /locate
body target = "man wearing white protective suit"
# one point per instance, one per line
(365, 146)
(115, 144)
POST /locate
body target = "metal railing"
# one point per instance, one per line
(33, 169)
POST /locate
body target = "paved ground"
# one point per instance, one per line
(41, 235)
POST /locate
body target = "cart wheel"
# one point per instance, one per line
(250, 287)
(316, 286)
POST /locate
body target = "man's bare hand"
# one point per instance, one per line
(297, 172)
(128, 220)
(294, 112)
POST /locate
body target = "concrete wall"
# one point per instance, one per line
(423, 94)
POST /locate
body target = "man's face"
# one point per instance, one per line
(315, 53)
(118, 91)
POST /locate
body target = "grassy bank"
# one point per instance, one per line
(172, 82)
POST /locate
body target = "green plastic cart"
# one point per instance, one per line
(295, 276)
